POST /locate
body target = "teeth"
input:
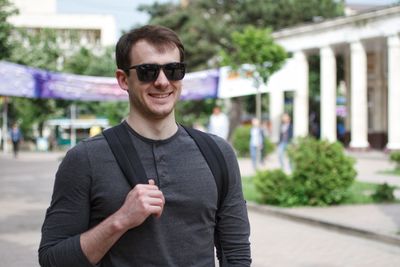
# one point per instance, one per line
(159, 95)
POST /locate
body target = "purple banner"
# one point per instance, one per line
(200, 85)
(85, 88)
(23, 81)
(17, 80)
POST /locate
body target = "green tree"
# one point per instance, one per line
(6, 10)
(255, 47)
(101, 63)
(206, 26)
(40, 50)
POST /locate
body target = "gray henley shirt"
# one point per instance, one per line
(89, 187)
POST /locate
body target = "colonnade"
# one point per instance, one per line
(358, 86)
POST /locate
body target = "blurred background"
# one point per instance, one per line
(327, 70)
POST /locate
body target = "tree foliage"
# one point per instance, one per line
(40, 50)
(6, 10)
(256, 47)
(206, 26)
(100, 63)
(46, 50)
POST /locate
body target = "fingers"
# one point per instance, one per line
(148, 197)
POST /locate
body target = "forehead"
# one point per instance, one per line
(144, 52)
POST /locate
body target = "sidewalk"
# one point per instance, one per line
(380, 222)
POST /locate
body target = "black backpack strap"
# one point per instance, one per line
(126, 155)
(215, 160)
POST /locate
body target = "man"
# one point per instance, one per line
(16, 137)
(96, 218)
(219, 123)
(285, 136)
(256, 143)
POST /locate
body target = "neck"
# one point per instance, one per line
(156, 129)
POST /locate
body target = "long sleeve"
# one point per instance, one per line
(68, 215)
(233, 229)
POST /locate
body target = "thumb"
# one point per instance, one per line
(151, 182)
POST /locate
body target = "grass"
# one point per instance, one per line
(391, 172)
(359, 192)
(249, 190)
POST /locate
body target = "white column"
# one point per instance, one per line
(276, 109)
(300, 109)
(328, 94)
(393, 92)
(359, 115)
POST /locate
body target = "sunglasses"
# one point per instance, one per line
(149, 72)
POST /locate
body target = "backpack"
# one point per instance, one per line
(129, 162)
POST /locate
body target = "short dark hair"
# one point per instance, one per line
(158, 36)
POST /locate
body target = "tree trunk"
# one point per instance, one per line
(235, 115)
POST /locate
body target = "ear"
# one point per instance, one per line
(122, 79)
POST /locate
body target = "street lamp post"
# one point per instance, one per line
(5, 123)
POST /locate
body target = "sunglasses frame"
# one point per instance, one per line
(141, 69)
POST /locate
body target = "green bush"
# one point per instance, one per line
(241, 140)
(322, 169)
(384, 193)
(395, 156)
(277, 188)
(322, 174)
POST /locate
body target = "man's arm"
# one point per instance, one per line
(66, 240)
(140, 203)
(233, 229)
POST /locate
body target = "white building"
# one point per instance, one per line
(92, 29)
(369, 44)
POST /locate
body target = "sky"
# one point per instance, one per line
(125, 12)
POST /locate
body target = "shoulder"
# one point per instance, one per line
(88, 149)
(225, 147)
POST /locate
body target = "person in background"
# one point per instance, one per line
(285, 136)
(1, 138)
(219, 123)
(94, 130)
(199, 126)
(266, 132)
(256, 143)
(96, 219)
(16, 137)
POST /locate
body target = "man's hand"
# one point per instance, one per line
(142, 201)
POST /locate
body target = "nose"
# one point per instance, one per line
(162, 80)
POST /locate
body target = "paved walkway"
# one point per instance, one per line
(280, 237)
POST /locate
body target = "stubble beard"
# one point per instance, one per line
(144, 110)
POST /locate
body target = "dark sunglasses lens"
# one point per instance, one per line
(174, 71)
(148, 72)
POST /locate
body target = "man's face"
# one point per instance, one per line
(157, 99)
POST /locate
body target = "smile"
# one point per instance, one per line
(160, 95)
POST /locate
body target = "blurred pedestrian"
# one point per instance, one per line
(256, 143)
(199, 126)
(94, 130)
(285, 136)
(16, 137)
(1, 138)
(219, 123)
(266, 132)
